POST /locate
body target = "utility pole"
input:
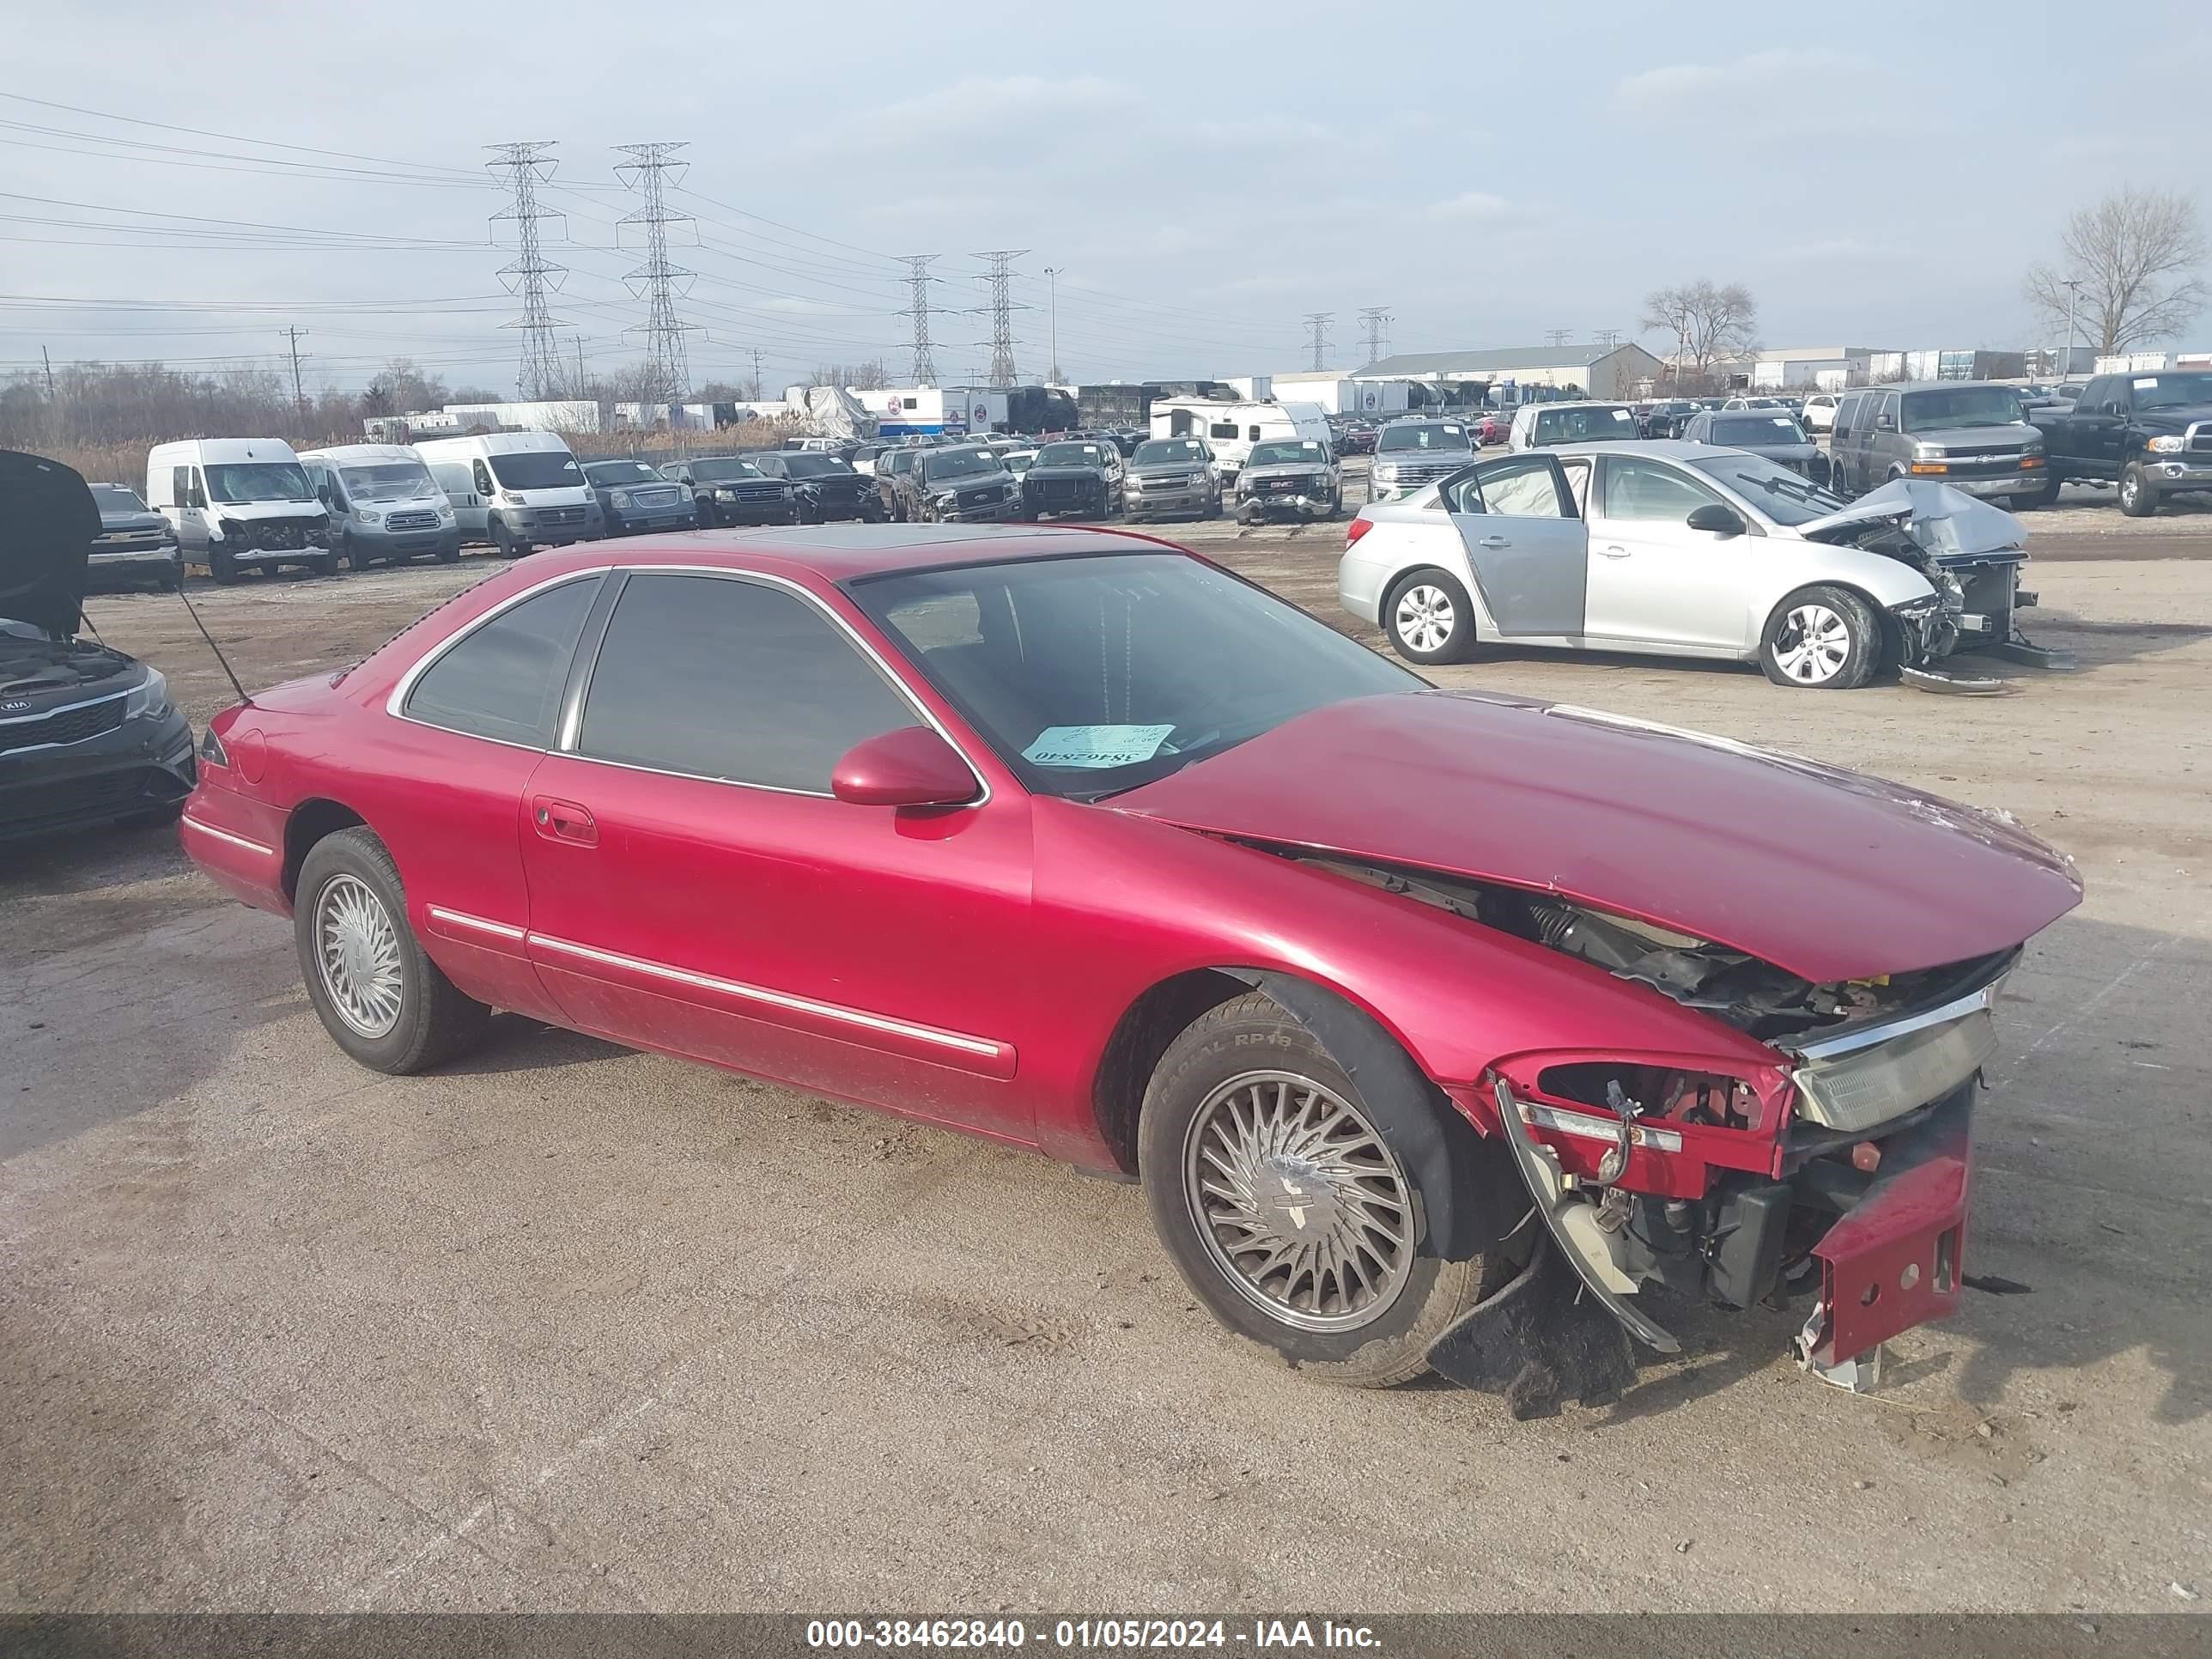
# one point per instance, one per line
(299, 397)
(1052, 297)
(1000, 279)
(46, 357)
(655, 281)
(1317, 323)
(583, 384)
(918, 280)
(2073, 286)
(1374, 319)
(528, 277)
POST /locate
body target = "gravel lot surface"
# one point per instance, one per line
(573, 1326)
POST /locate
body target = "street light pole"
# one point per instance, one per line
(1052, 292)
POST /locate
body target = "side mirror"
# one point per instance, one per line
(910, 767)
(1883, 423)
(1720, 521)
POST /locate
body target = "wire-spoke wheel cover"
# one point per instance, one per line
(357, 953)
(1425, 617)
(1813, 643)
(1299, 1201)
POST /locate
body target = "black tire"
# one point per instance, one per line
(502, 539)
(435, 1021)
(1787, 658)
(1452, 606)
(323, 564)
(1213, 507)
(1419, 1298)
(2045, 496)
(349, 550)
(449, 552)
(2138, 495)
(221, 565)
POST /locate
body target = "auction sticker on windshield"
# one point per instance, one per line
(1099, 746)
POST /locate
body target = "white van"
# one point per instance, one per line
(517, 490)
(383, 504)
(236, 503)
(1231, 429)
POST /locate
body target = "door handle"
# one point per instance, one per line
(563, 820)
(1614, 552)
(1493, 541)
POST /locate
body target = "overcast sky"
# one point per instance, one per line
(1200, 177)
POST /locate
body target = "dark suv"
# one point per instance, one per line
(1083, 478)
(824, 487)
(959, 485)
(730, 489)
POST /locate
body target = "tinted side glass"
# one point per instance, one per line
(732, 680)
(504, 680)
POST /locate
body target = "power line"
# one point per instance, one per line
(1317, 323)
(1557, 337)
(1375, 319)
(668, 367)
(918, 279)
(527, 167)
(1003, 306)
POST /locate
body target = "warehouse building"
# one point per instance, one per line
(1828, 369)
(1595, 371)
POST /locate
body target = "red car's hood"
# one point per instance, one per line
(1825, 873)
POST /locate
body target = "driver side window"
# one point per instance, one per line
(1648, 492)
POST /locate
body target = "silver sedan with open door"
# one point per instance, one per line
(1680, 550)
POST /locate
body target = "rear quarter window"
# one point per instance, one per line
(503, 678)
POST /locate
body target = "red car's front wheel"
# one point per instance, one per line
(1285, 1204)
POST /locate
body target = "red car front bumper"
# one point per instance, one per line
(1894, 1261)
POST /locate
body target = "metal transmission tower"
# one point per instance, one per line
(1003, 307)
(1557, 337)
(1376, 320)
(1317, 323)
(667, 362)
(1607, 337)
(918, 280)
(527, 275)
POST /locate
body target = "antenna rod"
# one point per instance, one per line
(227, 671)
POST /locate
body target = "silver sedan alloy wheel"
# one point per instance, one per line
(1299, 1201)
(1425, 617)
(357, 951)
(1814, 645)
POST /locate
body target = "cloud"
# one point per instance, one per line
(1787, 74)
(981, 105)
(1481, 209)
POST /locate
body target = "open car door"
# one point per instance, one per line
(1529, 549)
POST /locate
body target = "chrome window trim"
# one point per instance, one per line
(982, 1048)
(573, 725)
(396, 703)
(571, 728)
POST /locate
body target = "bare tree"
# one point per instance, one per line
(2134, 259)
(858, 377)
(1708, 323)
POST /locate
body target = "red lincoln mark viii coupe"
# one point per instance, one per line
(1441, 1029)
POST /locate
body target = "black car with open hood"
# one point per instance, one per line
(87, 735)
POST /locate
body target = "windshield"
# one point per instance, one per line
(1584, 425)
(1781, 495)
(240, 482)
(387, 481)
(1286, 454)
(1166, 452)
(621, 472)
(1422, 437)
(1020, 460)
(1752, 431)
(1089, 676)
(1070, 455)
(957, 463)
(2171, 390)
(1969, 405)
(536, 469)
(816, 466)
(722, 470)
(114, 498)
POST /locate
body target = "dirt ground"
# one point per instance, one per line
(570, 1326)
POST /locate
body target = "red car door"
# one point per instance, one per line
(694, 887)
(472, 720)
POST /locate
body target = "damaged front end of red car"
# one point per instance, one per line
(1837, 1177)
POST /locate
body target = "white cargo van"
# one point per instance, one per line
(239, 502)
(1231, 429)
(517, 490)
(383, 504)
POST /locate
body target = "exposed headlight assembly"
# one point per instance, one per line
(2164, 443)
(149, 699)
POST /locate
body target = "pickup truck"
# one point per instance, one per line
(2150, 434)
